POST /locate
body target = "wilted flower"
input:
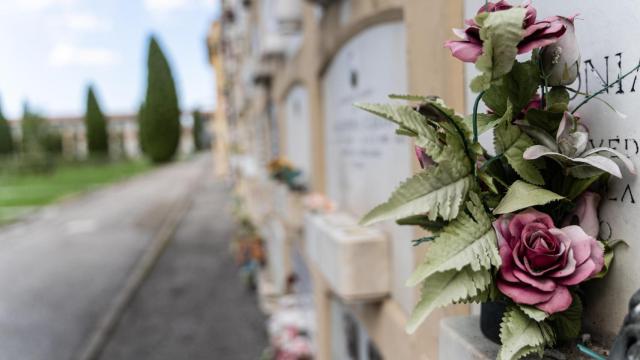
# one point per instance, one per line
(585, 213)
(569, 148)
(537, 34)
(539, 261)
(561, 60)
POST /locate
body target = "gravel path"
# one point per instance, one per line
(61, 268)
(193, 305)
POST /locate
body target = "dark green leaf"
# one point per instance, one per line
(420, 241)
(574, 187)
(512, 142)
(546, 120)
(424, 222)
(567, 324)
(518, 87)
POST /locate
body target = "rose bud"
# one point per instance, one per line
(585, 213)
(561, 60)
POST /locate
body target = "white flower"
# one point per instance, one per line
(570, 150)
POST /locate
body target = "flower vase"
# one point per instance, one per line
(490, 318)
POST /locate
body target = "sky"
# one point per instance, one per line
(52, 49)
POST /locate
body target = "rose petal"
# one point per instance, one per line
(460, 33)
(530, 270)
(501, 226)
(560, 301)
(580, 242)
(506, 269)
(520, 220)
(464, 50)
(543, 25)
(516, 257)
(568, 269)
(523, 294)
(586, 212)
(541, 284)
(597, 255)
(582, 273)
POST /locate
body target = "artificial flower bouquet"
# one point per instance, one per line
(283, 171)
(518, 223)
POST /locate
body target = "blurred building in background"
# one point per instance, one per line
(288, 73)
(123, 135)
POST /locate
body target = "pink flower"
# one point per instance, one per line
(534, 103)
(585, 214)
(537, 34)
(540, 261)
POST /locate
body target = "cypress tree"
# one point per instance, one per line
(198, 131)
(140, 118)
(6, 139)
(96, 126)
(161, 120)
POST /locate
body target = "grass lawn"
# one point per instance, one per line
(22, 193)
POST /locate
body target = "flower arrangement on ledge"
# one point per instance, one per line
(284, 172)
(521, 226)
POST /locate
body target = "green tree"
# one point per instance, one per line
(199, 141)
(96, 126)
(34, 129)
(36, 142)
(161, 121)
(140, 118)
(6, 139)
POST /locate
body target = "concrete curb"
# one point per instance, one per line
(105, 326)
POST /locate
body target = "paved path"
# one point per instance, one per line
(193, 305)
(60, 269)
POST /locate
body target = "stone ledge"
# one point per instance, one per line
(461, 339)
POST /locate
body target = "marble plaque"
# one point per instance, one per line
(608, 36)
(298, 131)
(365, 160)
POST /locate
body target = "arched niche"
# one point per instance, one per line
(297, 123)
(364, 159)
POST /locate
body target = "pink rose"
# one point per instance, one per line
(539, 261)
(537, 34)
(585, 214)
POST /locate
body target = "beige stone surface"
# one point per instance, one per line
(353, 259)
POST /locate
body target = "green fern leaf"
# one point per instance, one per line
(491, 293)
(437, 191)
(412, 98)
(461, 127)
(521, 335)
(403, 115)
(468, 241)
(512, 142)
(411, 123)
(446, 288)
